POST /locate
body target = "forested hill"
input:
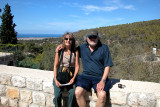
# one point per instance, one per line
(147, 32)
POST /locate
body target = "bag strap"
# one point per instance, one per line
(61, 58)
(70, 60)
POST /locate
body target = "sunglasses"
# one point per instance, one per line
(70, 39)
(92, 37)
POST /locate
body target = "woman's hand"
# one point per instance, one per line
(72, 81)
(57, 83)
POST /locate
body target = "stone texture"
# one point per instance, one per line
(49, 100)
(34, 84)
(38, 98)
(4, 101)
(133, 99)
(94, 96)
(92, 104)
(23, 104)
(34, 105)
(12, 92)
(13, 103)
(135, 94)
(2, 90)
(18, 81)
(48, 87)
(26, 96)
(158, 103)
(5, 79)
(119, 98)
(142, 99)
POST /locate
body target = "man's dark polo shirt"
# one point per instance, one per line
(95, 62)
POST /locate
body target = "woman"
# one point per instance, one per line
(68, 48)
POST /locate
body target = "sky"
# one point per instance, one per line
(60, 16)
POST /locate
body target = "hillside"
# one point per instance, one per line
(146, 32)
(130, 46)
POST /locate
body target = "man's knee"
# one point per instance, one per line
(102, 96)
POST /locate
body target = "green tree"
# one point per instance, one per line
(7, 31)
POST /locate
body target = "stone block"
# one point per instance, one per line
(26, 96)
(142, 99)
(38, 98)
(48, 87)
(33, 105)
(13, 103)
(12, 92)
(158, 103)
(18, 81)
(49, 100)
(4, 101)
(34, 84)
(119, 98)
(94, 96)
(5, 79)
(92, 104)
(2, 90)
(23, 104)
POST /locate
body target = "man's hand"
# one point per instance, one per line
(100, 86)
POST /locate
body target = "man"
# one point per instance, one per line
(96, 62)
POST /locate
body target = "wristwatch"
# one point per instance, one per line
(104, 80)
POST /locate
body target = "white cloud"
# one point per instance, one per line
(130, 7)
(93, 8)
(109, 5)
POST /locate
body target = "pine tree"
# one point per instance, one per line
(7, 31)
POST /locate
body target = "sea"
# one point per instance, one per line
(38, 35)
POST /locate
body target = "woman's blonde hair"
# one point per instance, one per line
(73, 45)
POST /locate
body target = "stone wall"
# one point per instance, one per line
(23, 87)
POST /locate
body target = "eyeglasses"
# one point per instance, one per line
(92, 37)
(70, 39)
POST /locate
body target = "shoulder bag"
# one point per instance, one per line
(64, 74)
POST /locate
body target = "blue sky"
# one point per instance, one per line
(60, 16)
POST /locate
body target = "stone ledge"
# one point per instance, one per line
(14, 90)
